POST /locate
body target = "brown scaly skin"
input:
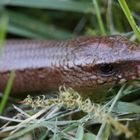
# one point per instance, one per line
(81, 63)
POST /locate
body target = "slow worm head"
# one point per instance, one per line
(81, 63)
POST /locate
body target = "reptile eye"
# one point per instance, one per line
(107, 69)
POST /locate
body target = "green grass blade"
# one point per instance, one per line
(130, 18)
(3, 28)
(80, 133)
(14, 29)
(66, 5)
(104, 130)
(127, 107)
(100, 22)
(109, 17)
(119, 94)
(89, 136)
(7, 91)
(33, 28)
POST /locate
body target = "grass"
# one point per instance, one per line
(74, 6)
(99, 19)
(60, 20)
(130, 18)
(7, 92)
(48, 116)
(3, 26)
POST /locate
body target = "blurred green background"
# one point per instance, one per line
(61, 19)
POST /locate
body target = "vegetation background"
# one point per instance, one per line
(63, 19)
